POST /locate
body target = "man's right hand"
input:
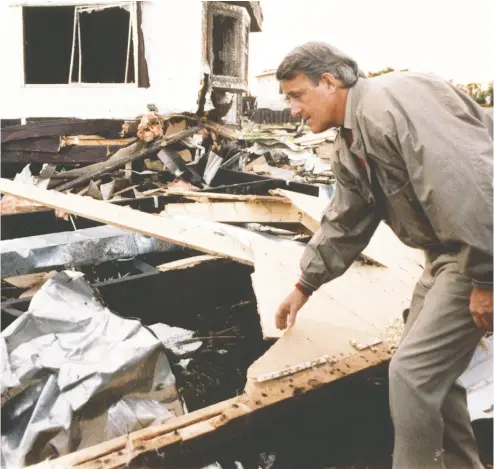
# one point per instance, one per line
(290, 306)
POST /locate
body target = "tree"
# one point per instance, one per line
(386, 70)
(475, 91)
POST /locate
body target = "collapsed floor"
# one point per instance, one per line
(229, 305)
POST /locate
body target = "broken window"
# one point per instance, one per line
(75, 44)
(227, 45)
(225, 48)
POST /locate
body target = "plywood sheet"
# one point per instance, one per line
(384, 247)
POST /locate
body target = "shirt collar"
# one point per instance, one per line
(348, 110)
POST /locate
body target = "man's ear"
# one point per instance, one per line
(329, 81)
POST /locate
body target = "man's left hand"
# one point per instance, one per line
(481, 308)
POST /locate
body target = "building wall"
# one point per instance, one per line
(268, 93)
(173, 48)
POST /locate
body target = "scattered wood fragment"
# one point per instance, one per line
(93, 140)
(37, 286)
(10, 205)
(130, 127)
(189, 262)
(237, 212)
(111, 165)
(25, 281)
(261, 161)
(125, 190)
(231, 197)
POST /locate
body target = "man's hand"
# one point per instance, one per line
(481, 308)
(287, 312)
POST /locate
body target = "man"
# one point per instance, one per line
(417, 153)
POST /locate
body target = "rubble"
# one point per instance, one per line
(215, 200)
(84, 375)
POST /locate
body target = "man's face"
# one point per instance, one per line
(317, 104)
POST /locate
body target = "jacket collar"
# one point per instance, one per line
(351, 123)
(348, 110)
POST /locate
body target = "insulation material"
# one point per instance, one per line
(85, 375)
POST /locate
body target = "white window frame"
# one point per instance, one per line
(79, 8)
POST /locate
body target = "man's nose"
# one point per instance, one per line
(296, 109)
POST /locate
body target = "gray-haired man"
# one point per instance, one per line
(418, 153)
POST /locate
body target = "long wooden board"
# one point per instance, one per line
(238, 212)
(229, 197)
(190, 233)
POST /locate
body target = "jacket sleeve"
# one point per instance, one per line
(448, 154)
(346, 228)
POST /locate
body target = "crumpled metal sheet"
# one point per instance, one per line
(22, 256)
(85, 374)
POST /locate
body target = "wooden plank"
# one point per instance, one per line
(187, 263)
(94, 140)
(311, 207)
(212, 239)
(384, 248)
(237, 212)
(113, 164)
(25, 281)
(139, 436)
(230, 197)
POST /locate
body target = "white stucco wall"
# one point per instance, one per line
(172, 33)
(268, 94)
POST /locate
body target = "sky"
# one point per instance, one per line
(452, 39)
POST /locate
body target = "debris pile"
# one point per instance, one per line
(156, 153)
(83, 374)
(291, 153)
(196, 230)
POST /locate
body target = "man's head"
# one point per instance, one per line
(315, 78)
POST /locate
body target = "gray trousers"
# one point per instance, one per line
(428, 408)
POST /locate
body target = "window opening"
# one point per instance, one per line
(64, 45)
(226, 57)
